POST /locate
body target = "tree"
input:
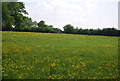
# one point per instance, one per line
(28, 22)
(57, 30)
(42, 24)
(69, 29)
(35, 24)
(12, 15)
(7, 20)
(110, 32)
(50, 26)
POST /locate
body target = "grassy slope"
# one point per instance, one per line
(59, 56)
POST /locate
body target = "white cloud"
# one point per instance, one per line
(71, 0)
(76, 12)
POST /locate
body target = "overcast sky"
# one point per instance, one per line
(79, 13)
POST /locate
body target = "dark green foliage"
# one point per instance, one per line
(110, 32)
(105, 31)
(42, 24)
(12, 15)
(7, 20)
(57, 30)
(39, 29)
(69, 29)
(49, 29)
(28, 22)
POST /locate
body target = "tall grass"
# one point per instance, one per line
(58, 56)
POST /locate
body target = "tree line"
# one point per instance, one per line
(14, 18)
(105, 31)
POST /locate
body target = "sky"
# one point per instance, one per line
(79, 13)
(119, 15)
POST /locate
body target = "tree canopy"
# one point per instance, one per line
(69, 29)
(12, 15)
(42, 24)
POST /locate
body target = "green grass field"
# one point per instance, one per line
(58, 56)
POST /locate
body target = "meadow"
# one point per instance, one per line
(27, 55)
